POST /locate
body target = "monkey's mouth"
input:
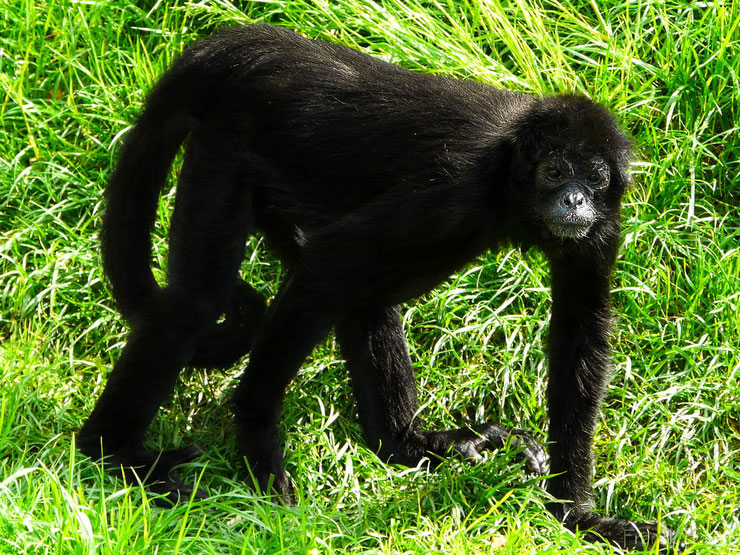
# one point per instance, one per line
(569, 229)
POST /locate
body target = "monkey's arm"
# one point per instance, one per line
(579, 369)
(578, 350)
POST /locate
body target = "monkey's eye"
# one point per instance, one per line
(594, 178)
(553, 174)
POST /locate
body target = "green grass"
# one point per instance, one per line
(72, 78)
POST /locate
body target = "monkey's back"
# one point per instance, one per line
(331, 127)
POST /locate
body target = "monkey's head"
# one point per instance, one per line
(569, 195)
(573, 158)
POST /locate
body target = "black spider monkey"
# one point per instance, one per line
(372, 184)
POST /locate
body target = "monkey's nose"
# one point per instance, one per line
(573, 199)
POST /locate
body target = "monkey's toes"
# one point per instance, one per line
(173, 457)
(278, 488)
(173, 490)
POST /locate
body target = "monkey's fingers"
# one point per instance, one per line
(630, 535)
(489, 435)
(535, 454)
(156, 471)
(286, 496)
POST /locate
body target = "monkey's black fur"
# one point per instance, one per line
(372, 184)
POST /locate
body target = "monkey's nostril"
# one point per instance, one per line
(573, 200)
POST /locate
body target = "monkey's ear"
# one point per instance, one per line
(621, 175)
(524, 150)
(527, 133)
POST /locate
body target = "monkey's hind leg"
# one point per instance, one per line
(374, 346)
(294, 323)
(157, 348)
(210, 223)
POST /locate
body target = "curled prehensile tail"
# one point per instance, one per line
(141, 173)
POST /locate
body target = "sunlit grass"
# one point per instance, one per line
(72, 78)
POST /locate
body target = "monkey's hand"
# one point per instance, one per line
(471, 442)
(620, 532)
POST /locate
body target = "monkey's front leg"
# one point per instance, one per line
(579, 367)
(374, 346)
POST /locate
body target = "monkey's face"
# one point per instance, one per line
(570, 193)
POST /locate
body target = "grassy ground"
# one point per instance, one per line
(72, 77)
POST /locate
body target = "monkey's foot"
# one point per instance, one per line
(260, 447)
(471, 442)
(620, 532)
(173, 490)
(154, 469)
(230, 340)
(277, 487)
(162, 477)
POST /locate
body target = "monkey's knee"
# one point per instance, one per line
(176, 312)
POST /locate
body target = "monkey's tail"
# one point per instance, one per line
(137, 181)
